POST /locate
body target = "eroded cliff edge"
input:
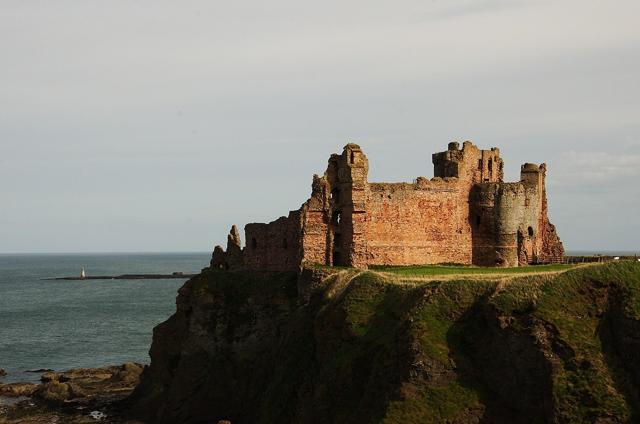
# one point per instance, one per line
(368, 347)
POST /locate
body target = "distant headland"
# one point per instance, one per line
(83, 276)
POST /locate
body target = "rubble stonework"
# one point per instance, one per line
(466, 214)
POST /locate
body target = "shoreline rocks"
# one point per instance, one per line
(2, 372)
(70, 395)
(17, 389)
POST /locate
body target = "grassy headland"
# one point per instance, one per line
(546, 344)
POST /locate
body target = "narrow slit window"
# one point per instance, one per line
(337, 217)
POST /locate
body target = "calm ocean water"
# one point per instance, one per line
(67, 324)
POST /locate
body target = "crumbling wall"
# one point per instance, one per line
(420, 223)
(315, 235)
(274, 246)
(232, 257)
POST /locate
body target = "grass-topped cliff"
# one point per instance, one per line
(394, 346)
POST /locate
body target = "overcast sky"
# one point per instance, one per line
(150, 125)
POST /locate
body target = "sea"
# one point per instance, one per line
(48, 324)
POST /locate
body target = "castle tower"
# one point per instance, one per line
(539, 242)
(347, 177)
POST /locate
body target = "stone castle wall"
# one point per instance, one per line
(274, 246)
(420, 223)
(466, 214)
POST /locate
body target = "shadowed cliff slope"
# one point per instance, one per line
(372, 348)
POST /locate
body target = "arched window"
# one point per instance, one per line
(284, 243)
(530, 230)
(254, 243)
(353, 157)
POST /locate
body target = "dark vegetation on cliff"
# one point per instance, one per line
(370, 347)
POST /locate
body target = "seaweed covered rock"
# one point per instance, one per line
(17, 389)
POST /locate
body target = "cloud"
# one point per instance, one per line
(463, 8)
(579, 167)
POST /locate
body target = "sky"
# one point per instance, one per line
(154, 125)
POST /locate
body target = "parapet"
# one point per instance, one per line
(533, 174)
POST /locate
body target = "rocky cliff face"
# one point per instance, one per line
(368, 347)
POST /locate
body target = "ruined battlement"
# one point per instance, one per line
(420, 183)
(465, 214)
(470, 164)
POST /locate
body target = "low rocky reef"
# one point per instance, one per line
(83, 395)
(346, 346)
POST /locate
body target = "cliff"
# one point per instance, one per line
(372, 347)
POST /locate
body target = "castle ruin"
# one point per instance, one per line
(466, 214)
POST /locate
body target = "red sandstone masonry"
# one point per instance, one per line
(421, 223)
(466, 214)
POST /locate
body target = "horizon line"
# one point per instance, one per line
(139, 252)
(156, 252)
